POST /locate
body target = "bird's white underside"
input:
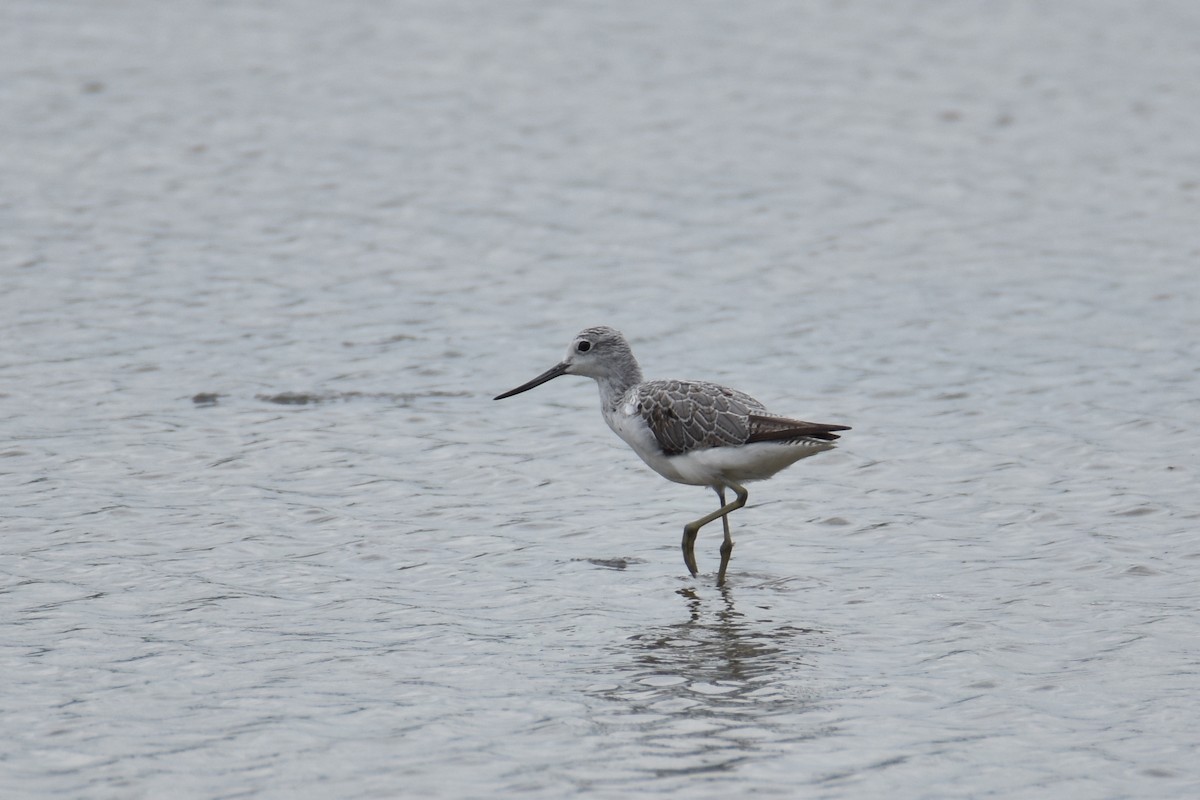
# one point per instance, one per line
(712, 466)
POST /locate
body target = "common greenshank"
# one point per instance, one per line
(690, 432)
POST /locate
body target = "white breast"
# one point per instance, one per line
(626, 421)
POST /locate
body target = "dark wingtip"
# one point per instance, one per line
(831, 428)
(782, 429)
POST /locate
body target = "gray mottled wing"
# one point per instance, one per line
(693, 415)
(765, 428)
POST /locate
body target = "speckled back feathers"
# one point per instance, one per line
(694, 415)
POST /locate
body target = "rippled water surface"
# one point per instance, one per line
(265, 533)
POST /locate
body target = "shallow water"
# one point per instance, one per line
(266, 534)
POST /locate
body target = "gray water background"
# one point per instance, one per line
(265, 533)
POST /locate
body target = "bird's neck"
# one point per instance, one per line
(614, 386)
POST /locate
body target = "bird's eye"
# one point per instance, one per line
(584, 346)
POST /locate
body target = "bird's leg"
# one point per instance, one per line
(692, 528)
(724, 517)
(727, 545)
(689, 551)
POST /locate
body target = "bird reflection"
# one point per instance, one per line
(717, 688)
(720, 645)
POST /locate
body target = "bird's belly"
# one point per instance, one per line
(634, 432)
(716, 466)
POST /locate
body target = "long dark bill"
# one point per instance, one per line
(548, 375)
